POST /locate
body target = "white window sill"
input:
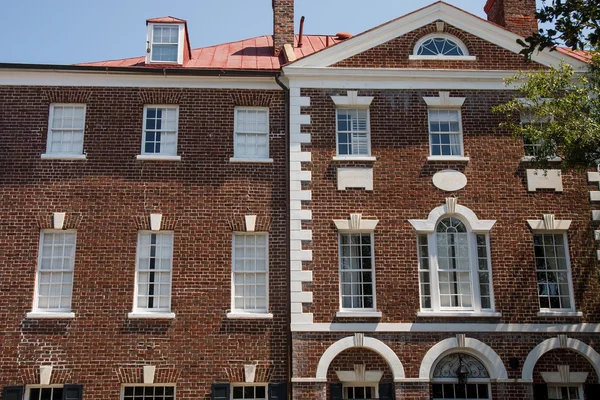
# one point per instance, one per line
(443, 58)
(469, 314)
(151, 315)
(532, 158)
(560, 314)
(448, 158)
(243, 315)
(151, 157)
(50, 315)
(354, 158)
(358, 314)
(250, 160)
(47, 156)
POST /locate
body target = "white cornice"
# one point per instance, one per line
(438, 11)
(447, 327)
(19, 77)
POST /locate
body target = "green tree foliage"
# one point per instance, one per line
(576, 24)
(561, 114)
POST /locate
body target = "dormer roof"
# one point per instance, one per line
(187, 49)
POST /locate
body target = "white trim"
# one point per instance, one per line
(248, 315)
(448, 158)
(348, 313)
(442, 35)
(551, 344)
(474, 224)
(573, 378)
(350, 378)
(251, 160)
(532, 158)
(442, 58)
(446, 327)
(49, 315)
(352, 158)
(47, 156)
(150, 42)
(368, 343)
(150, 157)
(437, 11)
(540, 225)
(462, 314)
(20, 77)
(358, 226)
(445, 101)
(480, 350)
(235, 133)
(150, 315)
(551, 313)
(352, 100)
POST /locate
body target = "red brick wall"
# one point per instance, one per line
(517, 16)
(283, 24)
(108, 195)
(394, 54)
(403, 190)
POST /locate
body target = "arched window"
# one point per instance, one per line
(454, 270)
(460, 376)
(440, 45)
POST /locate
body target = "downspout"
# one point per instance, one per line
(287, 231)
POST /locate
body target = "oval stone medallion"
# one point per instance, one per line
(449, 180)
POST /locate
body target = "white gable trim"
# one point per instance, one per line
(438, 11)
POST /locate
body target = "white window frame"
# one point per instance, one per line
(162, 155)
(465, 57)
(29, 387)
(150, 42)
(337, 133)
(357, 311)
(460, 133)
(569, 273)
(561, 385)
(48, 312)
(162, 312)
(373, 385)
(236, 157)
(266, 386)
(49, 154)
(122, 396)
(243, 313)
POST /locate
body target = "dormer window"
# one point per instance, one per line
(440, 46)
(165, 43)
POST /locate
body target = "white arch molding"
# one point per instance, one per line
(474, 347)
(468, 216)
(555, 343)
(368, 343)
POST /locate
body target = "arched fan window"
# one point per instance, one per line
(460, 376)
(440, 45)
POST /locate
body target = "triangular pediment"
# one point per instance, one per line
(461, 21)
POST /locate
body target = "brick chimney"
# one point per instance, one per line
(283, 24)
(517, 16)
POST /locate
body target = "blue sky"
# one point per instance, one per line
(73, 31)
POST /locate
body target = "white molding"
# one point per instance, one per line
(358, 314)
(437, 11)
(549, 224)
(353, 100)
(309, 380)
(444, 101)
(251, 160)
(354, 158)
(475, 224)
(480, 350)
(352, 377)
(149, 157)
(20, 77)
(151, 315)
(50, 315)
(250, 222)
(560, 314)
(45, 374)
(464, 314)
(369, 343)
(249, 373)
(449, 158)
(443, 58)
(242, 315)
(555, 343)
(423, 327)
(558, 377)
(356, 224)
(67, 157)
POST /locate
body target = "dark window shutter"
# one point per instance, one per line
(540, 392)
(592, 392)
(72, 392)
(336, 391)
(220, 391)
(387, 391)
(13, 392)
(277, 391)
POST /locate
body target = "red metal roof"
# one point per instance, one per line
(166, 20)
(580, 55)
(249, 54)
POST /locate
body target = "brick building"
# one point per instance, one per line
(293, 216)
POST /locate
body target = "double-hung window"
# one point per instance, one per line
(353, 132)
(251, 136)
(445, 132)
(148, 392)
(357, 273)
(565, 392)
(160, 131)
(55, 272)
(250, 273)
(249, 392)
(165, 43)
(362, 392)
(154, 272)
(553, 271)
(65, 131)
